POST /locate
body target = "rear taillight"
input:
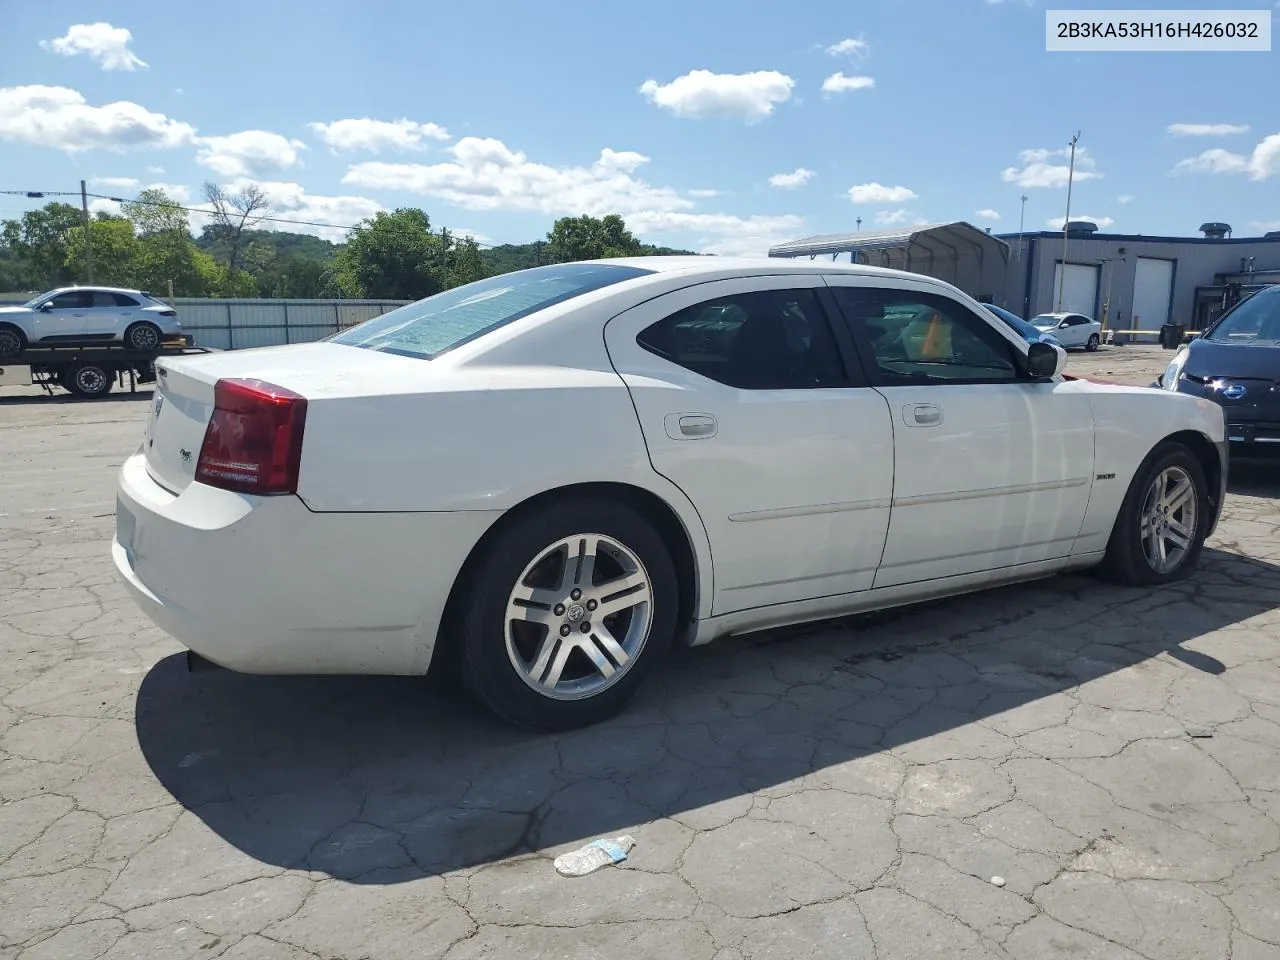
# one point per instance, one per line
(253, 443)
(168, 313)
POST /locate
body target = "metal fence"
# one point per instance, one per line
(236, 324)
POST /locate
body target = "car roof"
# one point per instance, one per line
(93, 287)
(758, 265)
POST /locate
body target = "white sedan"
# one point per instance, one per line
(555, 474)
(1070, 329)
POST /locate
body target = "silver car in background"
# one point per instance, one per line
(88, 315)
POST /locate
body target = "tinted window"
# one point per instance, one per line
(103, 299)
(925, 338)
(429, 327)
(1254, 320)
(75, 300)
(769, 340)
(123, 301)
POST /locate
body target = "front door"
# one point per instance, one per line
(748, 405)
(991, 469)
(65, 317)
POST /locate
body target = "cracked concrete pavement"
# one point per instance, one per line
(847, 789)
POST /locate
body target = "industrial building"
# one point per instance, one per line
(1127, 281)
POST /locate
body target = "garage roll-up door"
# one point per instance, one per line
(1080, 293)
(1152, 292)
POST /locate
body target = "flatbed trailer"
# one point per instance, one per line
(89, 372)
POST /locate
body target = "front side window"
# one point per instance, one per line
(428, 327)
(75, 300)
(766, 340)
(925, 338)
(1256, 320)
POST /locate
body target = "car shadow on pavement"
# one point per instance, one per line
(384, 780)
(143, 394)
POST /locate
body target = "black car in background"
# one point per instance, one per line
(1236, 363)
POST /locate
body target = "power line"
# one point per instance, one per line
(40, 194)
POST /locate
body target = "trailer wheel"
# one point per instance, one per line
(88, 380)
(12, 341)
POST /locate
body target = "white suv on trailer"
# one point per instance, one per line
(86, 316)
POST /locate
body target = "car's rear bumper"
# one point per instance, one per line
(264, 585)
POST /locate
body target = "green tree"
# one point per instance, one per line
(38, 242)
(391, 255)
(153, 211)
(115, 249)
(466, 265)
(589, 238)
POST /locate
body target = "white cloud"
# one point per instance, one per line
(1124, 198)
(485, 174)
(887, 218)
(106, 45)
(878, 193)
(119, 183)
(723, 234)
(839, 83)
(158, 171)
(987, 214)
(1265, 162)
(1038, 170)
(1265, 225)
(849, 47)
(61, 118)
(701, 94)
(703, 194)
(375, 136)
(461, 233)
(1216, 160)
(249, 153)
(1205, 129)
(328, 216)
(1057, 223)
(796, 178)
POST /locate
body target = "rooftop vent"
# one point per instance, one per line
(1271, 235)
(1081, 228)
(1215, 231)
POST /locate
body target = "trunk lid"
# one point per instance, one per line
(183, 399)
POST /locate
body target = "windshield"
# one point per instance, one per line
(1256, 320)
(34, 301)
(1046, 320)
(427, 328)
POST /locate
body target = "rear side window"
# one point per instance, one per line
(429, 327)
(767, 340)
(121, 300)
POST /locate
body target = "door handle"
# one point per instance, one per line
(691, 426)
(922, 414)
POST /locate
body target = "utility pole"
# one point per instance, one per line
(1071, 171)
(88, 237)
(859, 222)
(1022, 220)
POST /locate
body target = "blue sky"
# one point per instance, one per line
(719, 126)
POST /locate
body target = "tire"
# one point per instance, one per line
(1132, 558)
(143, 337)
(89, 380)
(1094, 340)
(12, 341)
(539, 675)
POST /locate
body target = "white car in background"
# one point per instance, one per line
(84, 316)
(1070, 329)
(553, 475)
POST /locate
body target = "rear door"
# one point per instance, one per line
(747, 403)
(104, 320)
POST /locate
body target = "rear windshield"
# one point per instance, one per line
(429, 327)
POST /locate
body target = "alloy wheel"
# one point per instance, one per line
(578, 617)
(144, 337)
(1168, 519)
(10, 343)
